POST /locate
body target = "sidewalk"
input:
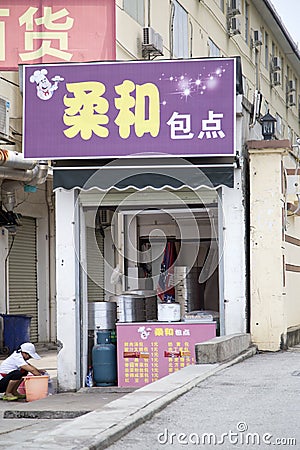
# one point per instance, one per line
(110, 418)
(56, 406)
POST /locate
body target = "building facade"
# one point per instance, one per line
(126, 221)
(268, 82)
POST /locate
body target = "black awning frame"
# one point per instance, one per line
(140, 177)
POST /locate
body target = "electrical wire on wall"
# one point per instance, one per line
(191, 39)
(149, 13)
(8, 81)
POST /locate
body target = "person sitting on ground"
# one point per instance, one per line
(14, 368)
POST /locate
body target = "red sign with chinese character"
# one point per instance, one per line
(47, 31)
(149, 351)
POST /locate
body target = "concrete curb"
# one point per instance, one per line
(222, 348)
(38, 414)
(101, 428)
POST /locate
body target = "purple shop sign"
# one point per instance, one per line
(116, 109)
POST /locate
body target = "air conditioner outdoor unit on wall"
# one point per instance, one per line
(152, 42)
(235, 26)
(257, 37)
(291, 85)
(276, 63)
(276, 78)
(291, 99)
(234, 7)
(4, 116)
(105, 217)
(149, 36)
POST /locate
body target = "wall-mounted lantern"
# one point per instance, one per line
(268, 126)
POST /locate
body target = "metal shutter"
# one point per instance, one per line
(23, 274)
(148, 197)
(95, 265)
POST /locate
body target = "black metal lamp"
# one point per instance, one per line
(268, 126)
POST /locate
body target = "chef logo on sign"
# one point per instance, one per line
(44, 87)
(144, 332)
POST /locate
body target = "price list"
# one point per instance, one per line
(150, 351)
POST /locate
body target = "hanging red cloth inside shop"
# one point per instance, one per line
(166, 287)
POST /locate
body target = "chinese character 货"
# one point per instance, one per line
(56, 31)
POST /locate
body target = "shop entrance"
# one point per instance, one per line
(135, 237)
(174, 252)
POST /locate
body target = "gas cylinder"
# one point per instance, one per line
(104, 359)
(113, 337)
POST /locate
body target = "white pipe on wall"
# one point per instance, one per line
(16, 160)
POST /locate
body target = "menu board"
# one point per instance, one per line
(149, 351)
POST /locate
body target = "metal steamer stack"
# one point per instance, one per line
(150, 303)
(130, 307)
(188, 290)
(136, 306)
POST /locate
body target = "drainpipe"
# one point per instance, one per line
(13, 159)
(51, 256)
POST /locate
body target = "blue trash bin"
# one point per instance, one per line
(16, 330)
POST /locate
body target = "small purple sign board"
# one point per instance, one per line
(117, 109)
(151, 350)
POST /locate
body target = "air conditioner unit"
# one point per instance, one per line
(291, 99)
(276, 63)
(234, 7)
(4, 116)
(291, 85)
(235, 26)
(105, 217)
(152, 42)
(148, 36)
(276, 78)
(257, 37)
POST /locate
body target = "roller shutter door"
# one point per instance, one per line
(95, 265)
(22, 266)
(148, 197)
